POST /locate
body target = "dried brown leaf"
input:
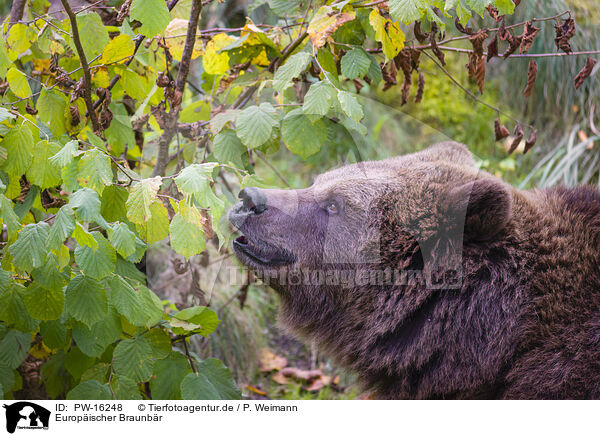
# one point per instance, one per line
(517, 137)
(435, 49)
(419, 34)
(480, 72)
(270, 361)
(477, 42)
(530, 141)
(461, 28)
(564, 32)
(493, 12)
(492, 48)
(301, 374)
(585, 71)
(500, 131)
(528, 36)
(531, 75)
(406, 89)
(420, 88)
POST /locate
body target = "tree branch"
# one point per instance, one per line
(16, 12)
(162, 158)
(87, 77)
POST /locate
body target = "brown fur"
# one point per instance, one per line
(517, 314)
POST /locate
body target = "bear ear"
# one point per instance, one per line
(484, 205)
(449, 151)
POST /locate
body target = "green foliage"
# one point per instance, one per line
(82, 196)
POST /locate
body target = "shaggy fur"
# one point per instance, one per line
(516, 313)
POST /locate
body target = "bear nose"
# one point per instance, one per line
(254, 200)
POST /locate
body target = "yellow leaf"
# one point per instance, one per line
(325, 22)
(388, 33)
(118, 50)
(17, 38)
(213, 61)
(18, 83)
(40, 351)
(41, 64)
(175, 35)
(254, 38)
(100, 77)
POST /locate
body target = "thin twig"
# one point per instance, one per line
(527, 55)
(162, 158)
(87, 77)
(262, 157)
(469, 93)
(187, 351)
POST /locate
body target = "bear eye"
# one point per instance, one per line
(332, 207)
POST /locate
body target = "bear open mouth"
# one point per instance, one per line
(260, 254)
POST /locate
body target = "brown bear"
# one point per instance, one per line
(432, 279)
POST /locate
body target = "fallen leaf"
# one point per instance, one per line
(270, 361)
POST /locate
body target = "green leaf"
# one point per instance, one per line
(49, 275)
(151, 304)
(156, 228)
(317, 100)
(407, 11)
(478, 5)
(44, 304)
(86, 300)
(169, 373)
(126, 301)
(122, 239)
(12, 309)
(97, 263)
(374, 73)
(213, 382)
(197, 319)
(51, 110)
(228, 148)
(355, 63)
(218, 121)
(18, 83)
(195, 178)
(66, 155)
(5, 61)
(92, 33)
(301, 136)
(255, 124)
(159, 342)
(29, 250)
(290, 70)
(133, 358)
(153, 14)
(94, 171)
(90, 390)
(84, 238)
(505, 7)
(76, 362)
(113, 203)
(14, 347)
(140, 198)
(125, 389)
(10, 218)
(86, 204)
(187, 234)
(18, 143)
(54, 334)
(120, 132)
(42, 172)
(350, 105)
(62, 227)
(93, 340)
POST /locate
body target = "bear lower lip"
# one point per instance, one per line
(247, 251)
